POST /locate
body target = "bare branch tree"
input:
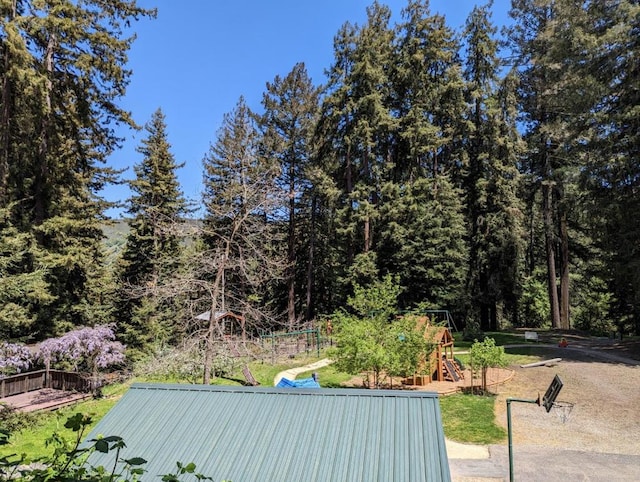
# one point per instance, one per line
(241, 236)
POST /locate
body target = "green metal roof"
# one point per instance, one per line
(267, 434)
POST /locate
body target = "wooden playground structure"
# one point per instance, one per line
(441, 365)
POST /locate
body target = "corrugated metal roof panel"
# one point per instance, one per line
(248, 434)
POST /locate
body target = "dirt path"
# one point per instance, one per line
(605, 392)
(292, 373)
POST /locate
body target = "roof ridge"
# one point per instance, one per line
(355, 392)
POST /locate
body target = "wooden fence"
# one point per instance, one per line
(37, 380)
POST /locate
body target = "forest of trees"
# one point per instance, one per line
(494, 172)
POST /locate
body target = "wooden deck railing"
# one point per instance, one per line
(60, 380)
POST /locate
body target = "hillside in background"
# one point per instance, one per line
(115, 232)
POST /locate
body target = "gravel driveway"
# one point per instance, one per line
(605, 390)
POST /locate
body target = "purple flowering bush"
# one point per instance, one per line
(85, 349)
(14, 358)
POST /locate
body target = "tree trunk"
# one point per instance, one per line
(310, 261)
(348, 179)
(42, 173)
(208, 351)
(5, 122)
(291, 257)
(565, 322)
(367, 234)
(547, 214)
(214, 293)
(367, 220)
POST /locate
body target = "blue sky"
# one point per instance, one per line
(199, 56)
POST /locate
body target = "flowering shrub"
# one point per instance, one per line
(13, 358)
(84, 349)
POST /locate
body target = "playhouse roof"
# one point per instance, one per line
(270, 434)
(206, 316)
(442, 335)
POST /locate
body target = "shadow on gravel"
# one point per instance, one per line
(580, 352)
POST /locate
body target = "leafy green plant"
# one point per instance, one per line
(370, 339)
(534, 303)
(190, 468)
(13, 421)
(484, 355)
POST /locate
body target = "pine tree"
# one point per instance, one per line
(547, 50)
(372, 120)
(612, 151)
(290, 111)
(424, 242)
(62, 72)
(421, 220)
(333, 175)
(152, 251)
(493, 145)
(23, 289)
(428, 96)
(357, 128)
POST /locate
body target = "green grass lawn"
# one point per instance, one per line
(328, 377)
(501, 338)
(470, 419)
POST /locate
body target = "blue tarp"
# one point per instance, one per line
(302, 383)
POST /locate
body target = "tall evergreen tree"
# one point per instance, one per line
(287, 125)
(428, 96)
(424, 242)
(152, 251)
(421, 223)
(357, 131)
(612, 149)
(494, 217)
(62, 71)
(333, 173)
(372, 119)
(544, 40)
(23, 292)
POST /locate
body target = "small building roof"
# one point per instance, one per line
(206, 316)
(272, 434)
